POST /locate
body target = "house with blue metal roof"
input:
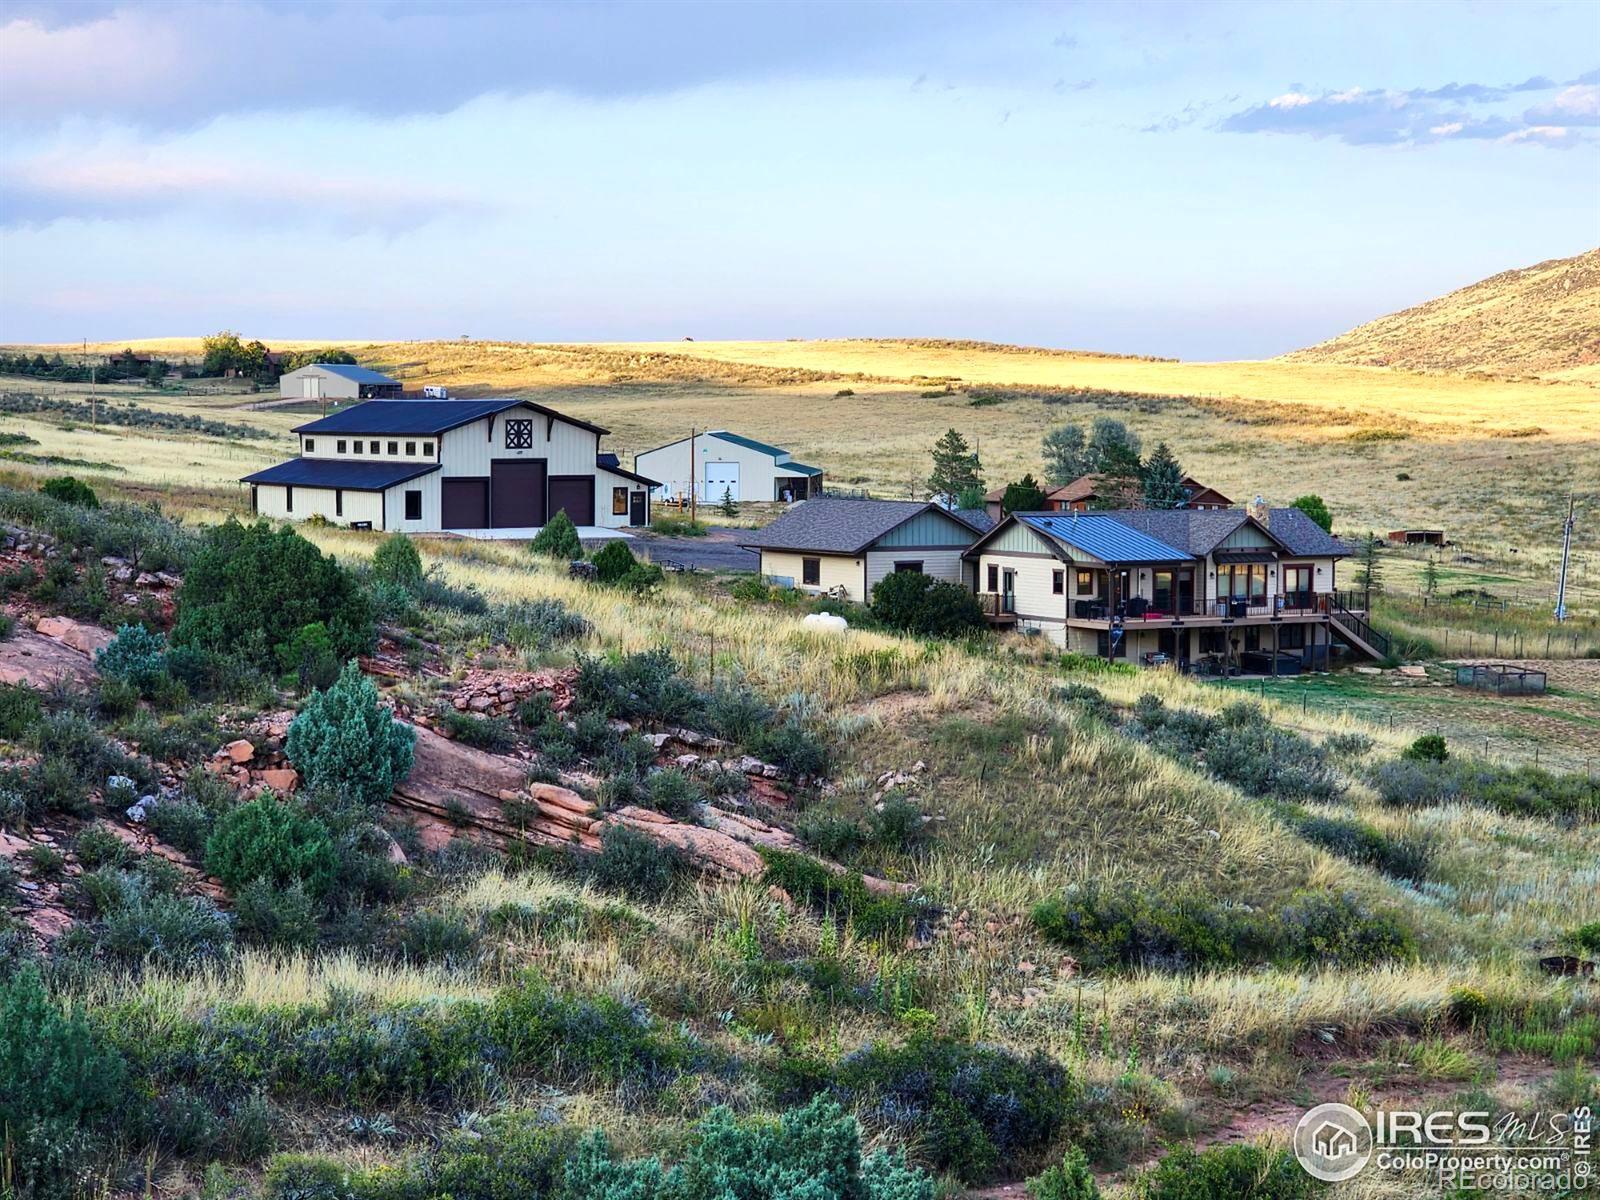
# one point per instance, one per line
(714, 463)
(1221, 590)
(497, 467)
(337, 381)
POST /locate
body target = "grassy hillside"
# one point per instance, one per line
(1542, 320)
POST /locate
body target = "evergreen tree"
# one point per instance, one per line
(558, 539)
(955, 467)
(1113, 457)
(1025, 495)
(1369, 574)
(1163, 480)
(1065, 457)
(344, 740)
(728, 508)
(1314, 507)
(1430, 577)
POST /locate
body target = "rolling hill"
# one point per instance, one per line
(1542, 320)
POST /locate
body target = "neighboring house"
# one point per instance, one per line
(426, 466)
(728, 463)
(337, 381)
(1220, 589)
(1087, 491)
(831, 543)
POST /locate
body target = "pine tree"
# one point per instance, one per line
(1430, 577)
(1025, 495)
(955, 466)
(1163, 480)
(728, 508)
(1369, 575)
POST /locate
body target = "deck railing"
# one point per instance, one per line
(1141, 609)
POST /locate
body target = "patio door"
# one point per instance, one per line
(1297, 586)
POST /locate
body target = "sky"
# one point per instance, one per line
(1199, 180)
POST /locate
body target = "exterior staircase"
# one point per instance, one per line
(1356, 629)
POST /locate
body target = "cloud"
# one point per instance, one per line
(181, 64)
(1576, 105)
(1419, 116)
(117, 186)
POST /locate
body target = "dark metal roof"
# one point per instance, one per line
(749, 443)
(616, 469)
(424, 417)
(354, 373)
(341, 473)
(835, 525)
(608, 460)
(796, 468)
(1102, 536)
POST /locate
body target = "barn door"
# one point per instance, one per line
(722, 478)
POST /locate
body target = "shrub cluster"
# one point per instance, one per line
(845, 897)
(273, 840)
(140, 534)
(1243, 1172)
(927, 607)
(70, 490)
(1358, 841)
(1522, 790)
(968, 1109)
(1177, 930)
(344, 741)
(251, 589)
(1242, 747)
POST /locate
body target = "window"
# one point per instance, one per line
(357, 447)
(288, 499)
(394, 448)
(372, 447)
(1292, 637)
(519, 434)
(994, 578)
(411, 449)
(1058, 583)
(255, 501)
(338, 502)
(619, 502)
(413, 506)
(908, 568)
(1086, 584)
(427, 449)
(1103, 644)
(311, 445)
(811, 572)
(341, 446)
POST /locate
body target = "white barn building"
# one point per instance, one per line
(431, 466)
(724, 462)
(337, 381)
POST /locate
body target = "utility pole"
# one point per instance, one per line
(694, 509)
(1566, 556)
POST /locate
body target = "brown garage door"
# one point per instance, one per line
(464, 503)
(575, 493)
(516, 492)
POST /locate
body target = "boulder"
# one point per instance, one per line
(241, 750)
(281, 779)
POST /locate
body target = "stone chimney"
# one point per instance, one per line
(1258, 509)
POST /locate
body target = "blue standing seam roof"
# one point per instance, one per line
(406, 416)
(354, 373)
(1103, 536)
(339, 473)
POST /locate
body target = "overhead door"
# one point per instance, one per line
(464, 503)
(516, 493)
(575, 493)
(722, 478)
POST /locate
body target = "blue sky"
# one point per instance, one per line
(1201, 180)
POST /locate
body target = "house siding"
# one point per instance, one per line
(394, 503)
(837, 570)
(272, 503)
(929, 528)
(942, 564)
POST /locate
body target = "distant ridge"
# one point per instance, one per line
(1542, 320)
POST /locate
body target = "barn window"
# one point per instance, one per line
(811, 572)
(519, 435)
(341, 446)
(311, 445)
(288, 499)
(358, 447)
(427, 448)
(413, 506)
(619, 502)
(372, 447)
(338, 502)
(394, 447)
(1058, 582)
(411, 449)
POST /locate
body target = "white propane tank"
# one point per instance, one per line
(825, 622)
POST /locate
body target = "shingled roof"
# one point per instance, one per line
(1199, 532)
(834, 525)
